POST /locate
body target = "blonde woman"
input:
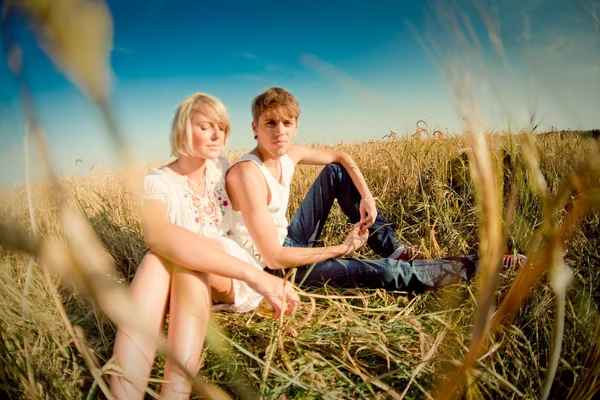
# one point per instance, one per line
(191, 265)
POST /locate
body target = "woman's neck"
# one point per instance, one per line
(191, 167)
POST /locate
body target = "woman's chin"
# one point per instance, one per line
(212, 154)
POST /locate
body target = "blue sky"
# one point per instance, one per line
(358, 68)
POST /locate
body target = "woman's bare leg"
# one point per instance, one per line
(221, 289)
(188, 322)
(133, 352)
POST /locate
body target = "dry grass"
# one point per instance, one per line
(349, 343)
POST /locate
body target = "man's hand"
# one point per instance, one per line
(278, 292)
(368, 212)
(356, 238)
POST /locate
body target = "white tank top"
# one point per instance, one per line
(280, 196)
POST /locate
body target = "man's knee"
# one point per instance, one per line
(335, 170)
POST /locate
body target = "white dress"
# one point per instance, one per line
(208, 215)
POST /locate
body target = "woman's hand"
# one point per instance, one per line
(356, 238)
(278, 292)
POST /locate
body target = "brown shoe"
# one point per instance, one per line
(511, 261)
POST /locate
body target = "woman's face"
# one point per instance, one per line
(208, 136)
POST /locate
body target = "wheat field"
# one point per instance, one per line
(341, 344)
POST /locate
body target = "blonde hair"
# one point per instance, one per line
(181, 128)
(276, 100)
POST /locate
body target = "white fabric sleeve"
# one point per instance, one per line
(155, 189)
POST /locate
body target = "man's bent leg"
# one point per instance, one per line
(335, 183)
(389, 274)
(308, 221)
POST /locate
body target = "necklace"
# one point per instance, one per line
(199, 189)
(206, 204)
(196, 188)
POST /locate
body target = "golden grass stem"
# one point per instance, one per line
(91, 362)
(560, 277)
(275, 371)
(93, 368)
(339, 372)
(426, 358)
(30, 207)
(490, 246)
(30, 264)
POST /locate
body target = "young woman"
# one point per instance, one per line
(191, 265)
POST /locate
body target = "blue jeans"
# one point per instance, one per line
(306, 227)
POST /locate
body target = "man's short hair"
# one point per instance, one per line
(181, 128)
(278, 101)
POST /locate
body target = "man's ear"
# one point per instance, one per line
(254, 128)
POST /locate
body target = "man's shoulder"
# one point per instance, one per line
(245, 180)
(243, 171)
(243, 166)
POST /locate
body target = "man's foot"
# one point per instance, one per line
(407, 253)
(513, 261)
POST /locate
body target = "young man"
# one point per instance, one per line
(258, 185)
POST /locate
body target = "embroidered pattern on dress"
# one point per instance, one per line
(204, 210)
(222, 199)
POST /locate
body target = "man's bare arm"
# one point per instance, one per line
(315, 156)
(248, 193)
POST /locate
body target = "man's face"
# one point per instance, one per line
(275, 133)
